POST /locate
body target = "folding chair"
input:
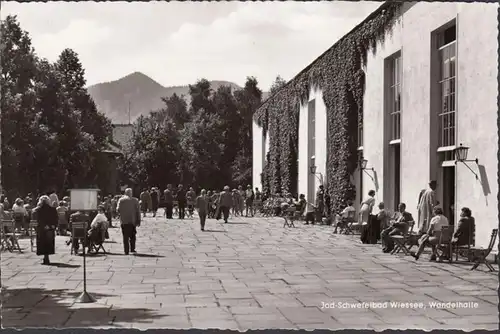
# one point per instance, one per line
(350, 224)
(479, 255)
(406, 241)
(444, 248)
(289, 217)
(95, 247)
(465, 250)
(32, 233)
(10, 239)
(78, 232)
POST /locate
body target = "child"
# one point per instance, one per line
(202, 207)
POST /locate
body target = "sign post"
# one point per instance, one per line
(84, 200)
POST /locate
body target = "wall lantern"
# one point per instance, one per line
(363, 163)
(461, 153)
(312, 169)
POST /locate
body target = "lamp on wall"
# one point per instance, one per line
(312, 169)
(363, 163)
(461, 156)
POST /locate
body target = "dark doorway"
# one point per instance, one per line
(397, 174)
(449, 193)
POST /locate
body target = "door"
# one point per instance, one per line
(448, 203)
(397, 175)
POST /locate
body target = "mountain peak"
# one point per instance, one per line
(138, 92)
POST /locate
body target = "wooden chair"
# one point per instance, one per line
(345, 224)
(402, 242)
(32, 233)
(479, 254)
(78, 232)
(10, 240)
(464, 251)
(444, 248)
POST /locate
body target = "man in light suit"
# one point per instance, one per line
(130, 217)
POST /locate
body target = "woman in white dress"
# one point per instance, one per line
(367, 208)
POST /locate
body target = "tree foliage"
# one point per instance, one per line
(340, 76)
(209, 141)
(51, 129)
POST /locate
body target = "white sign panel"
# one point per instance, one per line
(83, 199)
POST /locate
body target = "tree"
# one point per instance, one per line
(51, 128)
(278, 83)
(248, 100)
(18, 98)
(176, 110)
(200, 93)
(203, 143)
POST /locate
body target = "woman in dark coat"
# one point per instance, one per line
(45, 234)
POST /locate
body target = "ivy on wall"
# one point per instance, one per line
(339, 74)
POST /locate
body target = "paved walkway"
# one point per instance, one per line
(249, 274)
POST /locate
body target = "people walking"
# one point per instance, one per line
(190, 201)
(169, 201)
(249, 198)
(46, 230)
(145, 201)
(202, 207)
(225, 203)
(130, 218)
(181, 200)
(154, 201)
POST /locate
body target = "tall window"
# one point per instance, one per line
(360, 130)
(311, 111)
(447, 82)
(395, 97)
(311, 148)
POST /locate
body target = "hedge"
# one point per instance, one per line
(339, 74)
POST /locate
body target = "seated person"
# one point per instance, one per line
(300, 205)
(20, 215)
(433, 234)
(342, 220)
(78, 216)
(98, 225)
(62, 213)
(465, 228)
(399, 227)
(383, 216)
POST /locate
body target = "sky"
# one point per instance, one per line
(178, 43)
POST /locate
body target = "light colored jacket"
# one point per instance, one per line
(129, 210)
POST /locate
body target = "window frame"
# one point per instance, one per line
(447, 85)
(394, 105)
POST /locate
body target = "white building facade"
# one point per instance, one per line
(431, 86)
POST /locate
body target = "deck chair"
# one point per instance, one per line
(444, 248)
(78, 232)
(291, 216)
(10, 240)
(479, 254)
(406, 241)
(352, 225)
(98, 245)
(32, 233)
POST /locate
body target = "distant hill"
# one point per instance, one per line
(143, 93)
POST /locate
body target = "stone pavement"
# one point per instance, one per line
(248, 274)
